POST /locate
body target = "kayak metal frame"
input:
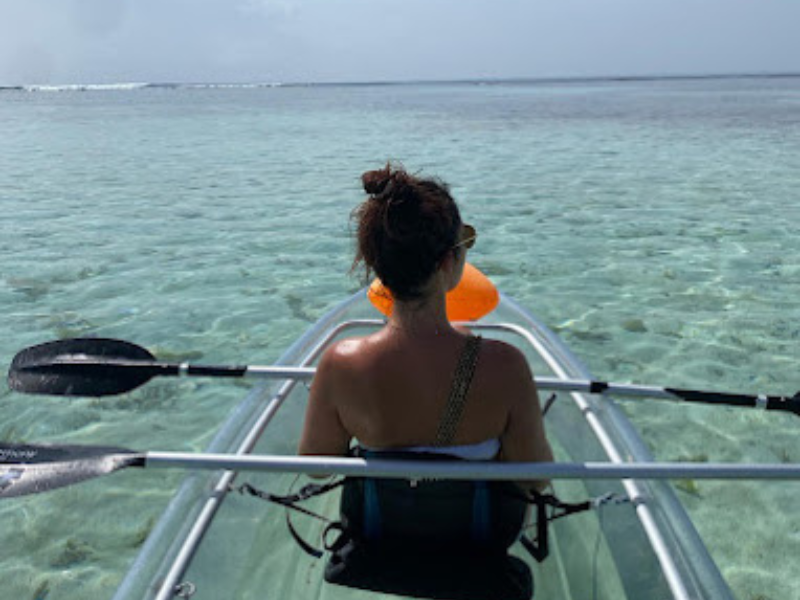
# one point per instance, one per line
(223, 486)
(634, 491)
(631, 446)
(191, 540)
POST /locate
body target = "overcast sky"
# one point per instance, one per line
(107, 41)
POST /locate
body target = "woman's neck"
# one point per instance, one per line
(424, 317)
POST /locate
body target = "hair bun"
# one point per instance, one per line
(386, 182)
(375, 182)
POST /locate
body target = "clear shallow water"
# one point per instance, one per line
(650, 223)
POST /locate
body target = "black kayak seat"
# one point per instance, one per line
(430, 538)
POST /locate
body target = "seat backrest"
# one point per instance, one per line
(432, 512)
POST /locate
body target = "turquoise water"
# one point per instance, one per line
(651, 223)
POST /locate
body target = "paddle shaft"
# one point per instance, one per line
(786, 403)
(148, 369)
(472, 470)
(81, 366)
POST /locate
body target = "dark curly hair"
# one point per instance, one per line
(404, 229)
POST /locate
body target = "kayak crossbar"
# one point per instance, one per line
(473, 470)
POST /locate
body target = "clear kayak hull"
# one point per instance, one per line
(213, 544)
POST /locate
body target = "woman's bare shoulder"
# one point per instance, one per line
(346, 349)
(342, 354)
(503, 357)
(336, 370)
(347, 356)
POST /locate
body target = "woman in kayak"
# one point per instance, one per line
(419, 383)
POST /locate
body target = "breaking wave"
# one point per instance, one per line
(125, 87)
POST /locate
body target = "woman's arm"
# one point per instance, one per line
(524, 439)
(323, 431)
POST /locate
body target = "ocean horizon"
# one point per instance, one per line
(547, 80)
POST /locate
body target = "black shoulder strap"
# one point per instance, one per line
(462, 379)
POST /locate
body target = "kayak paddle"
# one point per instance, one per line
(104, 367)
(31, 469)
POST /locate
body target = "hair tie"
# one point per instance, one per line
(384, 196)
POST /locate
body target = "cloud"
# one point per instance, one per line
(66, 41)
(269, 8)
(27, 62)
(97, 17)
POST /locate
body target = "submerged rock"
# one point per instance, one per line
(32, 289)
(634, 326)
(688, 486)
(74, 552)
(42, 591)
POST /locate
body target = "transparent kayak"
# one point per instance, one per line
(212, 543)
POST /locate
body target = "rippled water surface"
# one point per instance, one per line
(652, 224)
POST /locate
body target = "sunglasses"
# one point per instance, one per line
(468, 237)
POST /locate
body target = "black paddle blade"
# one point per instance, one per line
(28, 469)
(81, 367)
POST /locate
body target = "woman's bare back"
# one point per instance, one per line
(389, 390)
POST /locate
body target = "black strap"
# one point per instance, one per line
(308, 548)
(310, 490)
(549, 404)
(566, 508)
(538, 547)
(289, 501)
